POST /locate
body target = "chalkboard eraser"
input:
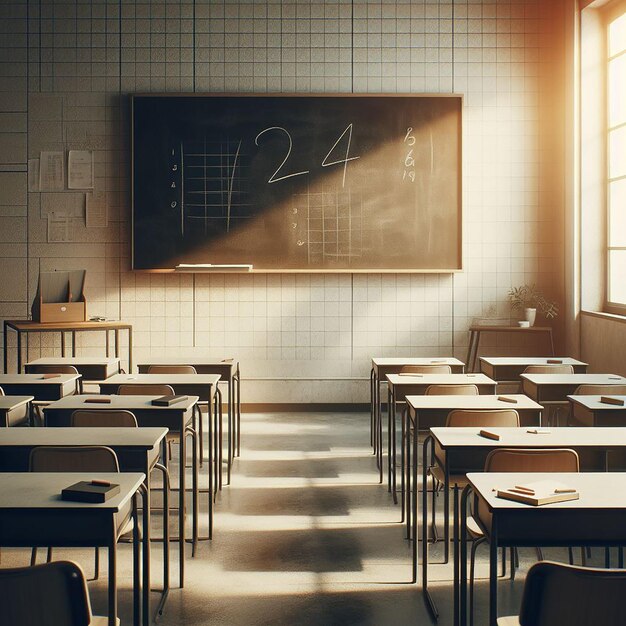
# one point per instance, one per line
(209, 267)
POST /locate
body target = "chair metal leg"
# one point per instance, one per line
(33, 557)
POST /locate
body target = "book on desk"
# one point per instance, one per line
(539, 493)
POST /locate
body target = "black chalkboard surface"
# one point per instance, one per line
(297, 183)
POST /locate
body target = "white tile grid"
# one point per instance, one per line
(289, 323)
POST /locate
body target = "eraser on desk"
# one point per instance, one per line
(612, 400)
(505, 399)
(99, 481)
(538, 431)
(99, 400)
(554, 361)
(47, 376)
(489, 435)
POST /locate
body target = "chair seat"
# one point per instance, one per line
(455, 479)
(509, 620)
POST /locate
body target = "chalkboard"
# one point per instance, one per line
(297, 183)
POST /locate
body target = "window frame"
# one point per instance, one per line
(611, 12)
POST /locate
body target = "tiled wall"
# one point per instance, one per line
(66, 68)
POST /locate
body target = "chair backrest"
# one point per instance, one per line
(600, 390)
(504, 418)
(111, 419)
(53, 594)
(73, 459)
(38, 368)
(172, 369)
(451, 390)
(549, 369)
(532, 460)
(145, 390)
(555, 593)
(426, 369)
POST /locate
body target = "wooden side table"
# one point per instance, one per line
(475, 332)
(23, 327)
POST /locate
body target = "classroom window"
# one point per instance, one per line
(616, 147)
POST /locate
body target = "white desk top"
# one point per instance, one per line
(399, 361)
(482, 402)
(187, 361)
(8, 403)
(162, 379)
(567, 437)
(593, 402)
(598, 490)
(75, 360)
(36, 379)
(575, 379)
(35, 491)
(439, 379)
(530, 360)
(130, 403)
(66, 436)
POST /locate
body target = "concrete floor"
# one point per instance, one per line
(304, 535)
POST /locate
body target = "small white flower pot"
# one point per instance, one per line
(530, 315)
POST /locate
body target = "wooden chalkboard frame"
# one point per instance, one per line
(459, 247)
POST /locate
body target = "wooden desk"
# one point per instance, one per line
(32, 514)
(545, 388)
(175, 418)
(15, 410)
(510, 368)
(401, 386)
(589, 411)
(39, 387)
(434, 410)
(381, 366)
(202, 385)
(463, 450)
(137, 450)
(228, 370)
(23, 327)
(475, 332)
(572, 523)
(89, 367)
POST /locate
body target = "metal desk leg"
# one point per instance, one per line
(136, 565)
(388, 441)
(238, 401)
(220, 436)
(210, 464)
(403, 429)
(430, 603)
(230, 454)
(409, 467)
(493, 573)
(145, 496)
(415, 490)
(181, 504)
(460, 556)
(371, 405)
(117, 343)
(106, 344)
(166, 536)
(19, 352)
(476, 345)
(112, 619)
(62, 343)
(394, 455)
(130, 350)
(73, 343)
(469, 351)
(6, 348)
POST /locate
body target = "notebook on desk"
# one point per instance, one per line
(539, 493)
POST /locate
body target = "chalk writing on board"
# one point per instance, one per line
(409, 159)
(347, 158)
(272, 178)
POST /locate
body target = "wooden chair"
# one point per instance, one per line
(37, 405)
(451, 390)
(555, 593)
(110, 419)
(499, 418)
(79, 459)
(54, 594)
(513, 460)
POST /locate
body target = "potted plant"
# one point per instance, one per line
(528, 298)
